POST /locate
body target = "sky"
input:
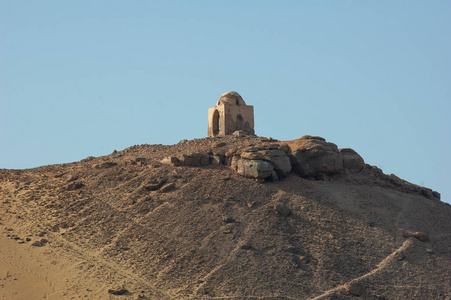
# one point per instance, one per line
(85, 78)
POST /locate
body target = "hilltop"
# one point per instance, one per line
(234, 217)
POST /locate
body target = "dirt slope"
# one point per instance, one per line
(127, 221)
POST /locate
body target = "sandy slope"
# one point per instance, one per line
(215, 234)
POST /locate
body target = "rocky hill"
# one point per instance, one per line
(239, 217)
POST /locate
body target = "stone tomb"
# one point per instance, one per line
(229, 115)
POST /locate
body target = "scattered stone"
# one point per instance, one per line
(352, 289)
(227, 230)
(282, 209)
(228, 219)
(28, 239)
(291, 249)
(250, 204)
(37, 244)
(155, 185)
(246, 246)
(231, 199)
(64, 225)
(104, 165)
(44, 241)
(430, 251)
(74, 186)
(218, 145)
(89, 158)
(168, 187)
(118, 291)
(421, 236)
(141, 160)
(72, 177)
(294, 264)
(304, 259)
(56, 175)
(399, 256)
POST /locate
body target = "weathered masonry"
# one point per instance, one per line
(229, 115)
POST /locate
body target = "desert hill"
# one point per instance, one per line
(238, 217)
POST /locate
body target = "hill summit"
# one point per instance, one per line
(224, 217)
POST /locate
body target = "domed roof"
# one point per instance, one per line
(232, 98)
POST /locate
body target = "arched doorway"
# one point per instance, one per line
(216, 123)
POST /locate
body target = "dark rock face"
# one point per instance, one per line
(352, 161)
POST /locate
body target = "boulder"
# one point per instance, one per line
(352, 161)
(171, 160)
(195, 159)
(280, 162)
(282, 209)
(313, 156)
(257, 169)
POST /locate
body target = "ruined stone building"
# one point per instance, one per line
(229, 115)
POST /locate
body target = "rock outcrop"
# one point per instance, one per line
(266, 162)
(315, 157)
(252, 168)
(310, 157)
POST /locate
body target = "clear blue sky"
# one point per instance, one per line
(81, 78)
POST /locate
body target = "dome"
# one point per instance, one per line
(232, 98)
